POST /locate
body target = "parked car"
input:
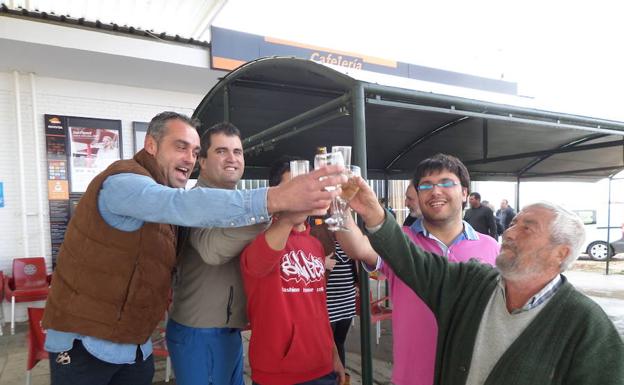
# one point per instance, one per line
(596, 245)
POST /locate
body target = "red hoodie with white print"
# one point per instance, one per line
(291, 339)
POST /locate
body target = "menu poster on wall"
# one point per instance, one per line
(77, 149)
(94, 144)
(140, 129)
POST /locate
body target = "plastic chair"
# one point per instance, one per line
(159, 346)
(35, 340)
(159, 343)
(380, 309)
(28, 283)
(379, 312)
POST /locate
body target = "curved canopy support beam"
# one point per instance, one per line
(424, 138)
(533, 154)
(540, 159)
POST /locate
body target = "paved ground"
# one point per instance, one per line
(608, 291)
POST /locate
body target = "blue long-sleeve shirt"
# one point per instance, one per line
(128, 200)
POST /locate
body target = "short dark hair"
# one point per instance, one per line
(440, 162)
(228, 129)
(476, 195)
(279, 167)
(158, 125)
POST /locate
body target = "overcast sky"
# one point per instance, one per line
(565, 54)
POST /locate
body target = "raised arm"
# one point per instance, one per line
(217, 246)
(355, 244)
(264, 253)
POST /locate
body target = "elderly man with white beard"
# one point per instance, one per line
(520, 323)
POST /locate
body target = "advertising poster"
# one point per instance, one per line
(1, 195)
(92, 151)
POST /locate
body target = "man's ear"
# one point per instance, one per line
(201, 162)
(151, 145)
(561, 252)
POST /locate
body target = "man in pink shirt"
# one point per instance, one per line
(442, 183)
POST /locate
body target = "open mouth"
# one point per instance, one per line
(183, 170)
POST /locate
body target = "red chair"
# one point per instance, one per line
(159, 345)
(380, 309)
(28, 283)
(379, 312)
(35, 340)
(159, 341)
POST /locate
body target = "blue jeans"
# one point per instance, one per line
(202, 356)
(79, 367)
(329, 379)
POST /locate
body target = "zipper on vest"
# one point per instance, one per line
(228, 311)
(125, 300)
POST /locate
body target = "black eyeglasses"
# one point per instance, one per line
(446, 183)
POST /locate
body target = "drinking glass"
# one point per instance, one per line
(350, 188)
(299, 167)
(332, 158)
(346, 153)
(321, 160)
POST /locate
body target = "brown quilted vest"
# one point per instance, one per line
(112, 284)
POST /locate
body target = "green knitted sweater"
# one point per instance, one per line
(571, 341)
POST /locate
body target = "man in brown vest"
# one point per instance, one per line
(113, 273)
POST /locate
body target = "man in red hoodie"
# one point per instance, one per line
(284, 277)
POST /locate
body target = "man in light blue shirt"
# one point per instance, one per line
(114, 268)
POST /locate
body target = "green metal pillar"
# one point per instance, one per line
(359, 159)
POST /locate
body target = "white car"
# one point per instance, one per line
(596, 242)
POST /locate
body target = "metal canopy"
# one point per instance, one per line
(292, 106)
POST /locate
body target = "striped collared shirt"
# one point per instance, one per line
(542, 296)
(468, 233)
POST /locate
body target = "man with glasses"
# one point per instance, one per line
(442, 184)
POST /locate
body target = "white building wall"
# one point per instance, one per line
(62, 97)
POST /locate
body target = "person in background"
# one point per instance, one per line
(284, 277)
(384, 203)
(411, 202)
(113, 273)
(499, 226)
(208, 310)
(480, 217)
(505, 214)
(442, 183)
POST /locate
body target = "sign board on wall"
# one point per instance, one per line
(231, 49)
(1, 194)
(140, 129)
